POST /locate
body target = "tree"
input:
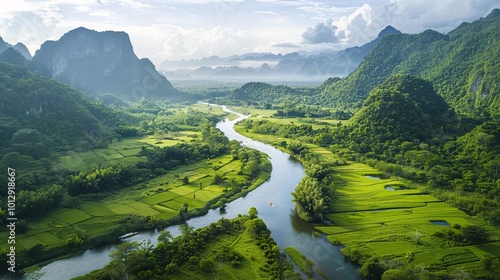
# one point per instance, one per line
(252, 212)
(185, 180)
(474, 235)
(165, 236)
(185, 229)
(121, 253)
(372, 269)
(183, 210)
(309, 201)
(207, 265)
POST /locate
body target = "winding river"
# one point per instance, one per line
(286, 227)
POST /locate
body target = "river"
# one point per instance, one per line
(286, 227)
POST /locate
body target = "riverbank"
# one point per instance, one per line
(149, 205)
(380, 218)
(239, 248)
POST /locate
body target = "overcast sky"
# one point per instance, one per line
(179, 29)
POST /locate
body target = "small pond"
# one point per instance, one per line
(374, 177)
(395, 188)
(440, 223)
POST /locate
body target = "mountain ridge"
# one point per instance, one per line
(100, 63)
(338, 63)
(462, 65)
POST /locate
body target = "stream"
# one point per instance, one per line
(287, 229)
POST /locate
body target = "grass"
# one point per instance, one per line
(252, 266)
(304, 263)
(263, 114)
(124, 151)
(160, 197)
(70, 216)
(368, 218)
(371, 220)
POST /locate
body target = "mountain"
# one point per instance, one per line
(263, 92)
(13, 56)
(19, 46)
(38, 114)
(23, 50)
(291, 65)
(350, 58)
(102, 63)
(463, 65)
(404, 107)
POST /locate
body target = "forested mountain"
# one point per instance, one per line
(404, 107)
(38, 114)
(13, 56)
(19, 46)
(263, 92)
(102, 63)
(463, 65)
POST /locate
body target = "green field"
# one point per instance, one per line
(371, 219)
(123, 152)
(160, 197)
(252, 266)
(375, 221)
(263, 114)
(303, 262)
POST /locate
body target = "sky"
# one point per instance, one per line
(176, 29)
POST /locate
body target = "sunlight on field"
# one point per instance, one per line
(390, 222)
(160, 197)
(123, 152)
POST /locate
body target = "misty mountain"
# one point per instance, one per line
(463, 65)
(13, 56)
(292, 65)
(100, 63)
(19, 47)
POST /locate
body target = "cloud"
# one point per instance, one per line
(321, 33)
(175, 42)
(364, 23)
(266, 12)
(285, 45)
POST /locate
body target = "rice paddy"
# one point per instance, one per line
(160, 198)
(373, 215)
(124, 152)
(373, 221)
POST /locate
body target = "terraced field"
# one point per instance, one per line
(371, 219)
(159, 198)
(124, 152)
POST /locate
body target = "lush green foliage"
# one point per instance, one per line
(218, 250)
(303, 262)
(463, 65)
(403, 108)
(39, 115)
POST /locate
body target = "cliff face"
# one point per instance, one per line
(101, 63)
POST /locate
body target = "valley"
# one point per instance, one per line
(377, 161)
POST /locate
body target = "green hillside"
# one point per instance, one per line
(39, 114)
(463, 65)
(404, 107)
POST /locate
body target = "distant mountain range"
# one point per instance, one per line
(463, 66)
(274, 66)
(102, 63)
